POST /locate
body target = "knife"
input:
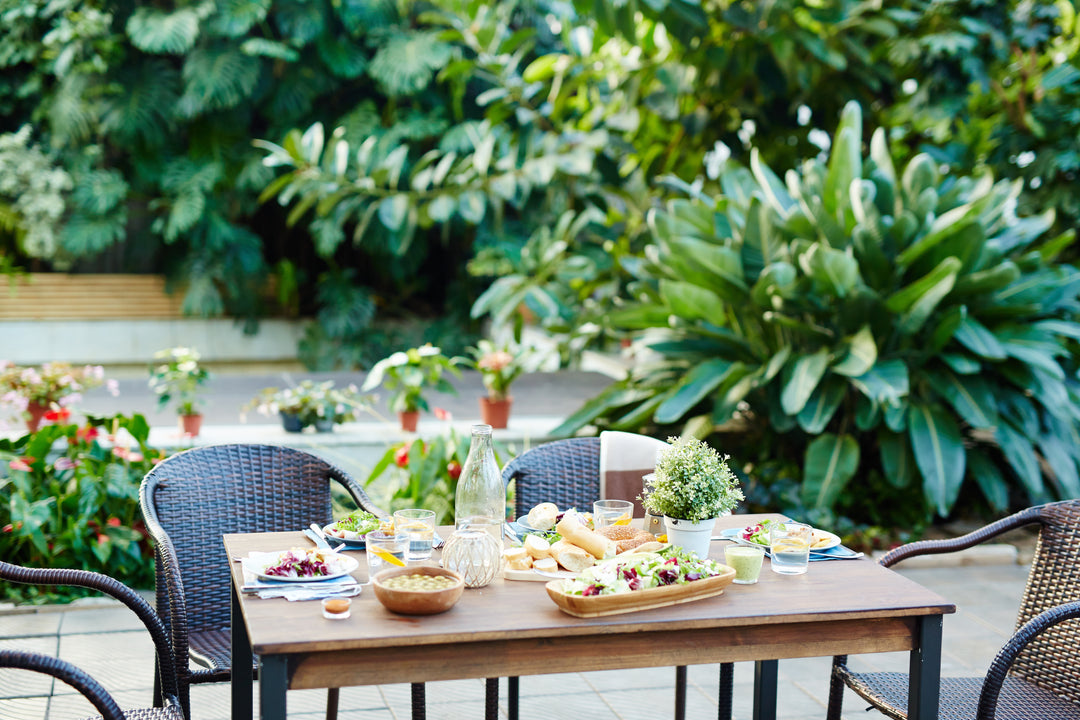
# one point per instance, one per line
(320, 542)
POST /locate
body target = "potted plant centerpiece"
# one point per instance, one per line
(499, 367)
(408, 374)
(691, 487)
(177, 377)
(50, 387)
(318, 404)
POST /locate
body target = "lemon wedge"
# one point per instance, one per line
(386, 557)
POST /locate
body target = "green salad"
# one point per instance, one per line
(358, 522)
(670, 566)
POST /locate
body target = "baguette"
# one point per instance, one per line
(546, 564)
(517, 559)
(575, 532)
(537, 547)
(572, 557)
(542, 517)
(625, 536)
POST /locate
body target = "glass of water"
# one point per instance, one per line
(419, 526)
(789, 546)
(385, 550)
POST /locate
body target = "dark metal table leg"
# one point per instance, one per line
(273, 682)
(242, 659)
(491, 699)
(727, 688)
(419, 701)
(680, 692)
(513, 699)
(925, 670)
(765, 675)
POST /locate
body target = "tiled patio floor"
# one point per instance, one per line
(108, 642)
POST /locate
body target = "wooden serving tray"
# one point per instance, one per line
(599, 605)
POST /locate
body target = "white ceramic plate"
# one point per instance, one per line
(339, 565)
(354, 541)
(823, 539)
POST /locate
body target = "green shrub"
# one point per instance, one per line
(69, 498)
(903, 324)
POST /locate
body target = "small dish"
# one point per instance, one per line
(418, 602)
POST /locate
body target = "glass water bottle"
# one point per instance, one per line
(480, 502)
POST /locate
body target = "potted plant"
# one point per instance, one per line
(177, 378)
(320, 404)
(499, 367)
(34, 391)
(691, 487)
(407, 375)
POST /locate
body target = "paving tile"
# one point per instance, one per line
(119, 661)
(16, 683)
(34, 708)
(112, 618)
(33, 624)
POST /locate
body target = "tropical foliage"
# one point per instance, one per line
(78, 507)
(886, 321)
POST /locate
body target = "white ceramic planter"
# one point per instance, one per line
(691, 536)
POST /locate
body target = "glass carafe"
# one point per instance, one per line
(480, 502)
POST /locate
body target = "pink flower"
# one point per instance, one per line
(441, 414)
(113, 387)
(19, 464)
(65, 464)
(496, 361)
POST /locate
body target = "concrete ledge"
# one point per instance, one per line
(123, 342)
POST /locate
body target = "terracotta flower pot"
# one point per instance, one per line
(495, 413)
(37, 412)
(191, 424)
(409, 420)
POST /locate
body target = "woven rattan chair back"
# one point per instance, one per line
(565, 472)
(1052, 660)
(192, 499)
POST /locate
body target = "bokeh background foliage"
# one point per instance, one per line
(456, 160)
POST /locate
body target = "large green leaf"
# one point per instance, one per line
(834, 272)
(690, 301)
(830, 462)
(885, 383)
(1020, 453)
(861, 355)
(939, 454)
(1062, 464)
(989, 479)
(897, 462)
(970, 396)
(822, 405)
(694, 388)
(975, 337)
(805, 374)
(918, 300)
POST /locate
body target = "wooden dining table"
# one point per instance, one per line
(512, 628)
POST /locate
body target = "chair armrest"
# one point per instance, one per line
(1029, 516)
(109, 586)
(999, 668)
(90, 688)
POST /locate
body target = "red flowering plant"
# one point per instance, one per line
(69, 498)
(422, 473)
(54, 385)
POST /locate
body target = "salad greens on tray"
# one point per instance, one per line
(300, 563)
(670, 566)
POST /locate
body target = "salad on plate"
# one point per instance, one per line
(758, 534)
(302, 563)
(670, 566)
(353, 526)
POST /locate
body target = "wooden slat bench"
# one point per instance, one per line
(57, 296)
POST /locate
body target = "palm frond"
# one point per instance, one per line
(142, 109)
(100, 191)
(172, 33)
(234, 18)
(300, 21)
(217, 78)
(407, 63)
(366, 15)
(87, 234)
(71, 117)
(342, 57)
(261, 47)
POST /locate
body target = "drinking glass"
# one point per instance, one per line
(746, 560)
(385, 550)
(789, 544)
(612, 512)
(419, 526)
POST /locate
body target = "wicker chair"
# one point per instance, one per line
(190, 501)
(567, 473)
(167, 709)
(1035, 674)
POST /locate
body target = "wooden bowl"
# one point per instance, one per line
(417, 602)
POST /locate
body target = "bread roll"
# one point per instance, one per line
(537, 547)
(574, 532)
(517, 559)
(626, 537)
(572, 557)
(543, 516)
(547, 564)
